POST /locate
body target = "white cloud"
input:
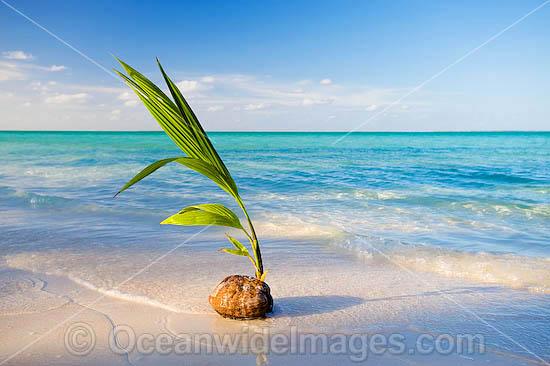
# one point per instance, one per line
(130, 99)
(6, 95)
(15, 70)
(41, 87)
(208, 79)
(131, 103)
(240, 79)
(325, 82)
(321, 101)
(115, 115)
(255, 107)
(371, 107)
(189, 86)
(10, 71)
(215, 108)
(36, 85)
(254, 101)
(52, 68)
(16, 55)
(67, 98)
(127, 96)
(97, 89)
(57, 68)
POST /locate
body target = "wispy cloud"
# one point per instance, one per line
(192, 86)
(16, 55)
(371, 108)
(246, 90)
(255, 107)
(57, 68)
(130, 98)
(316, 101)
(208, 79)
(10, 71)
(53, 68)
(325, 82)
(15, 69)
(215, 108)
(228, 101)
(6, 95)
(115, 115)
(67, 98)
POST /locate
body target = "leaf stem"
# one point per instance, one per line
(253, 241)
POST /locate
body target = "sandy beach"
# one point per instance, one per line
(57, 321)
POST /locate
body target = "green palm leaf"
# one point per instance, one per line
(178, 120)
(180, 123)
(168, 117)
(237, 244)
(239, 250)
(207, 214)
(190, 117)
(194, 164)
(235, 251)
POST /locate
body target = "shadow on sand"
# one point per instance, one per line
(446, 292)
(309, 305)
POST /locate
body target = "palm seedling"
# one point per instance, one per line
(181, 124)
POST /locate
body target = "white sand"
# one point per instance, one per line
(38, 335)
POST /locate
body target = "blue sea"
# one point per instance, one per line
(375, 215)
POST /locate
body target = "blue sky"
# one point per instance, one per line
(280, 66)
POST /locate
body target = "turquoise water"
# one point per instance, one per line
(416, 196)
(457, 210)
(475, 192)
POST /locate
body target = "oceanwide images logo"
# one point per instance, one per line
(80, 340)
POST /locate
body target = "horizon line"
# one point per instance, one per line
(305, 131)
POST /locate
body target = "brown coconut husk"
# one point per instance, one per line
(241, 297)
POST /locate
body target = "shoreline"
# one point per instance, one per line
(102, 313)
(84, 310)
(296, 132)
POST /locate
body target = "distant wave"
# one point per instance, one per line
(33, 200)
(511, 270)
(483, 177)
(22, 199)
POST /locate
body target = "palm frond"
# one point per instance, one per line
(205, 214)
(181, 124)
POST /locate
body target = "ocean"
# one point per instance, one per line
(338, 221)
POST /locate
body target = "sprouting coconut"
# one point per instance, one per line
(238, 297)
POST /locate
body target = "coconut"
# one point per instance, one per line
(241, 297)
